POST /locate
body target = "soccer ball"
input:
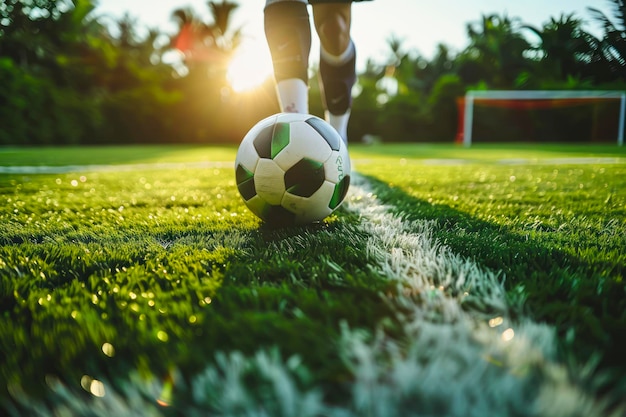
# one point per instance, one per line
(292, 169)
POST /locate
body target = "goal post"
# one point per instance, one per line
(508, 96)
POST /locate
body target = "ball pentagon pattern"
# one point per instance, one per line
(292, 169)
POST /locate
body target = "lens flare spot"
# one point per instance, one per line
(508, 335)
(92, 386)
(108, 349)
(97, 388)
(496, 321)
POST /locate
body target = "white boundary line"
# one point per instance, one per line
(65, 169)
(463, 354)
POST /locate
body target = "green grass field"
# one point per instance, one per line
(149, 285)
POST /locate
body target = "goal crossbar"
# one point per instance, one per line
(473, 95)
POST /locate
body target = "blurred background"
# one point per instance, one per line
(83, 72)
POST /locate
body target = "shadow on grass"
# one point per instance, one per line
(585, 301)
(174, 297)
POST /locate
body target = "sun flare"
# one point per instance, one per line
(250, 67)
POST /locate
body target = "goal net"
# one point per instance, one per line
(542, 116)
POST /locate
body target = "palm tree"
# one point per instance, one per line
(34, 40)
(613, 44)
(413, 72)
(207, 48)
(565, 50)
(496, 54)
(221, 13)
(429, 72)
(210, 44)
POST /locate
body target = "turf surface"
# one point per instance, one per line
(106, 271)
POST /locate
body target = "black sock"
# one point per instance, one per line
(288, 34)
(337, 81)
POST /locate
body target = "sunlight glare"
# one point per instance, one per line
(250, 67)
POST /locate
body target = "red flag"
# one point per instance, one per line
(184, 41)
(191, 41)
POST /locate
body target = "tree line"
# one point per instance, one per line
(71, 77)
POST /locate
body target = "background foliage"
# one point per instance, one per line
(73, 77)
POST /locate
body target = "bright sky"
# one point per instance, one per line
(421, 24)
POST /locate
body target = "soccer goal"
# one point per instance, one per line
(538, 116)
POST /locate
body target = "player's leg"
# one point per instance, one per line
(288, 34)
(337, 61)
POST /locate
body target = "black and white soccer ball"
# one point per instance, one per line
(292, 169)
